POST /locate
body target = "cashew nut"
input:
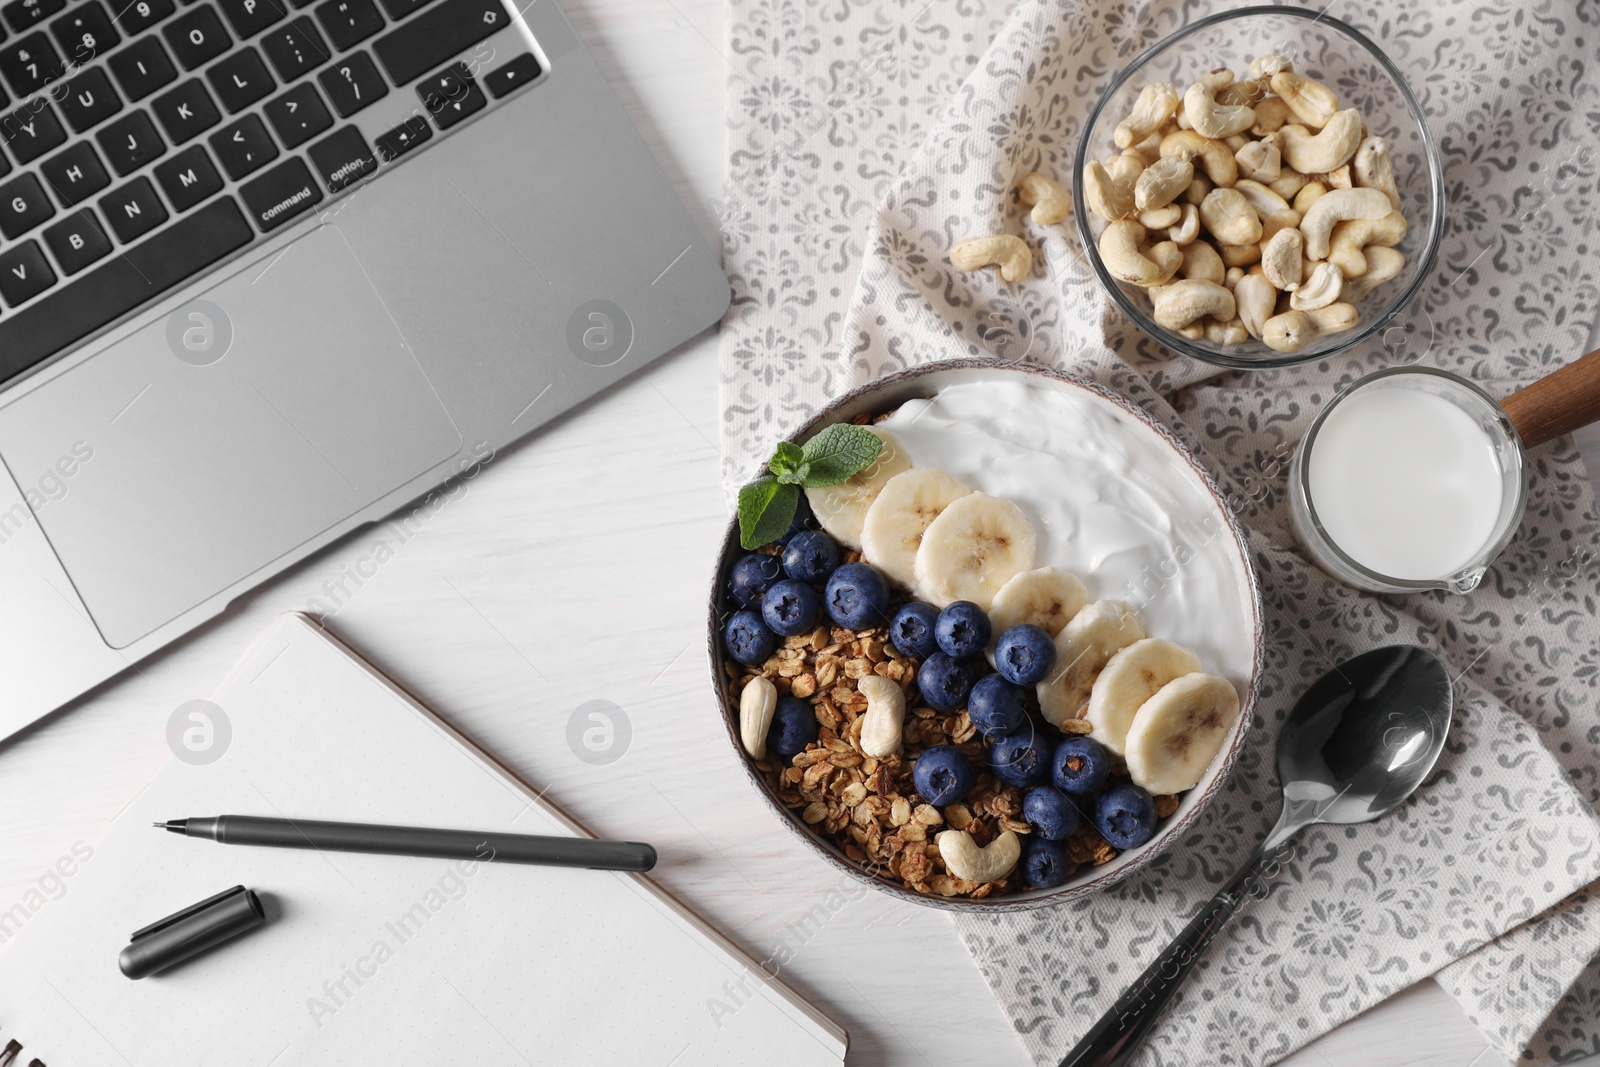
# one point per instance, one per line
(1183, 302)
(1231, 278)
(1335, 206)
(1160, 218)
(1005, 251)
(1211, 118)
(1263, 67)
(1197, 190)
(1256, 299)
(1312, 102)
(886, 713)
(1247, 92)
(1149, 149)
(1280, 259)
(1108, 198)
(1155, 105)
(1161, 182)
(1277, 222)
(1382, 265)
(1119, 251)
(1050, 200)
(1230, 218)
(1271, 114)
(1235, 142)
(1324, 285)
(1202, 263)
(1349, 240)
(1293, 330)
(1214, 157)
(1374, 168)
(1289, 182)
(1340, 178)
(1194, 331)
(1240, 255)
(1262, 199)
(757, 701)
(1226, 333)
(1260, 160)
(1308, 195)
(1188, 226)
(1319, 153)
(968, 862)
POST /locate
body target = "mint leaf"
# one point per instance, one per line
(788, 464)
(766, 508)
(838, 452)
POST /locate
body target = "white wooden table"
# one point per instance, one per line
(575, 568)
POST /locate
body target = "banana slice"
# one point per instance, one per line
(897, 519)
(1130, 678)
(841, 509)
(1178, 732)
(1048, 598)
(1083, 648)
(975, 546)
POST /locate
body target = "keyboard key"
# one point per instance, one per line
(250, 17)
(130, 142)
(343, 159)
(188, 178)
(241, 80)
(89, 99)
(403, 138)
(139, 15)
(186, 112)
(298, 115)
(75, 174)
(30, 63)
(32, 130)
(296, 49)
(437, 36)
(77, 241)
(353, 83)
(142, 68)
(133, 210)
(24, 15)
(348, 22)
(121, 284)
(509, 77)
(399, 9)
(85, 32)
(23, 205)
(24, 274)
(197, 36)
(243, 147)
(280, 194)
(451, 95)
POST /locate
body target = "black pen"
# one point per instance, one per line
(417, 841)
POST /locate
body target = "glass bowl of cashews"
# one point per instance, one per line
(1260, 189)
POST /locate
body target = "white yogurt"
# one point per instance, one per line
(1110, 503)
(1405, 482)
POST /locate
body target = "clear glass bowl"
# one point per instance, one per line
(1362, 76)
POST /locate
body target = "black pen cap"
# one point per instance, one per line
(191, 931)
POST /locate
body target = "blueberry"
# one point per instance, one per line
(945, 682)
(962, 630)
(794, 726)
(748, 639)
(1050, 812)
(1025, 654)
(803, 520)
(790, 608)
(1045, 864)
(995, 706)
(942, 775)
(912, 629)
(811, 556)
(858, 596)
(1019, 760)
(1125, 816)
(1079, 766)
(751, 576)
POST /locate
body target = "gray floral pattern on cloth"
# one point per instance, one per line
(868, 135)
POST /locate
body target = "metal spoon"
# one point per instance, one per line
(1359, 742)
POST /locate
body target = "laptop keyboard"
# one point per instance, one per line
(154, 138)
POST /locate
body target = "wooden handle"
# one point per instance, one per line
(1557, 403)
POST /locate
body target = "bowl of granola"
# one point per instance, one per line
(985, 634)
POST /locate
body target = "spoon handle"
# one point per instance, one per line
(1557, 403)
(1119, 1033)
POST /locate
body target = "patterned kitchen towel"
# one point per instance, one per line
(868, 135)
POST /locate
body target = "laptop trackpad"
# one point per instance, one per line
(162, 474)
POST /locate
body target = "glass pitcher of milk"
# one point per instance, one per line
(1410, 479)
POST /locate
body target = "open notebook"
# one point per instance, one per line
(379, 959)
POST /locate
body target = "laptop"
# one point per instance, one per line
(270, 269)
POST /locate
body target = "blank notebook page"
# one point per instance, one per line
(378, 959)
